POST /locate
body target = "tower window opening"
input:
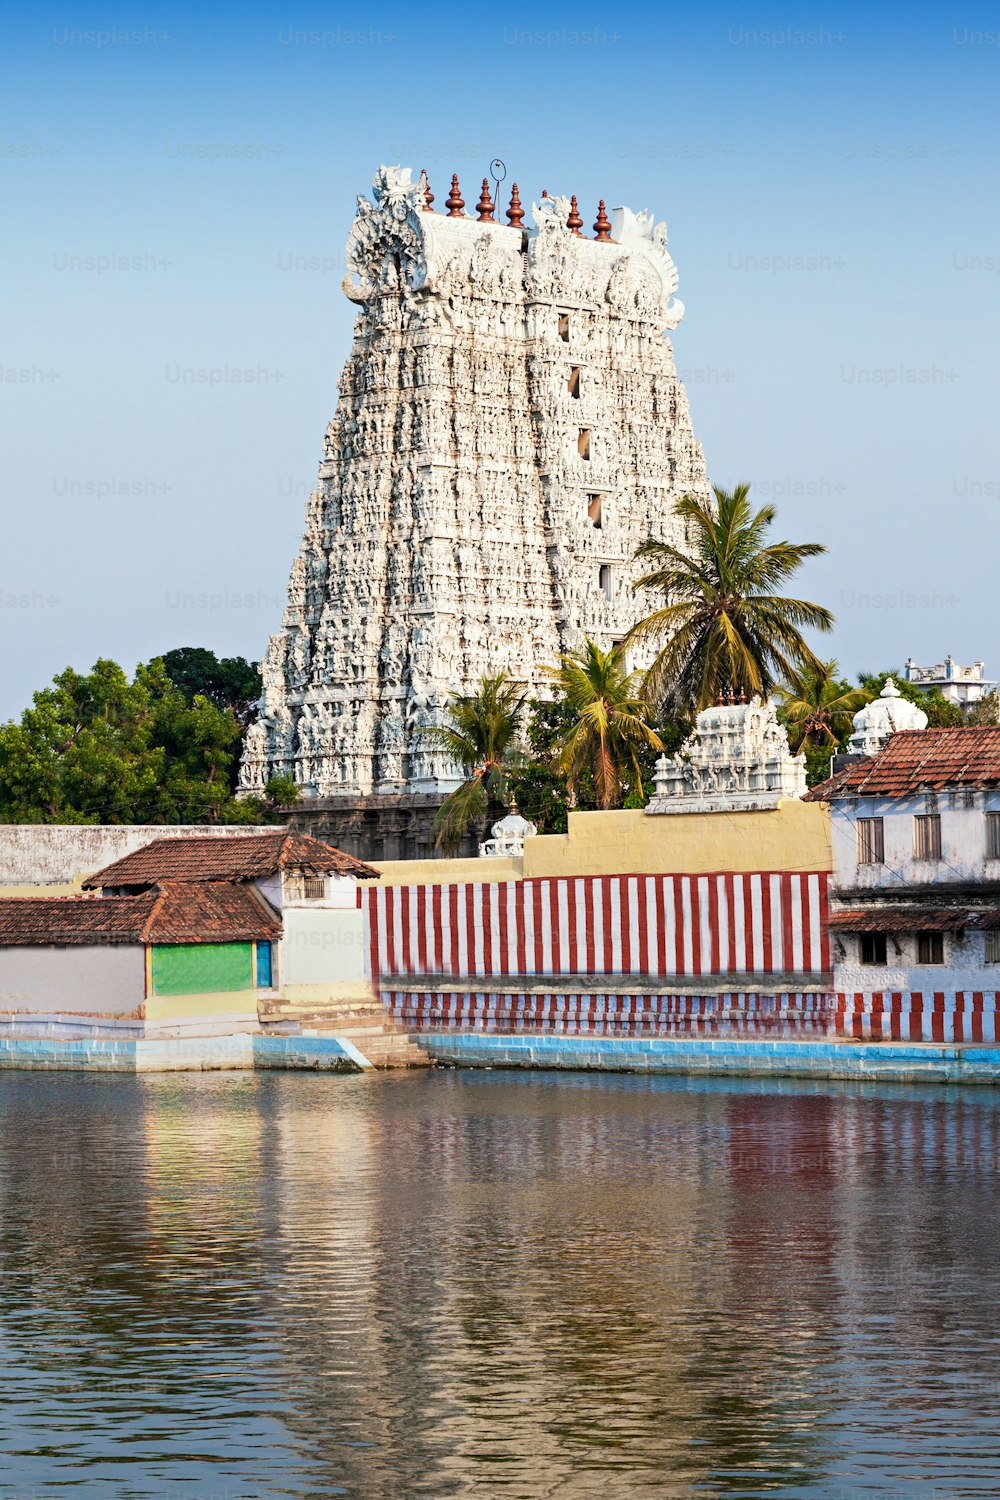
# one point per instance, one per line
(564, 327)
(604, 579)
(594, 507)
(583, 444)
(573, 383)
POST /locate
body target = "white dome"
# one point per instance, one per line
(513, 826)
(878, 721)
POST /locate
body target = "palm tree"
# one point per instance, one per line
(723, 627)
(609, 728)
(818, 708)
(482, 737)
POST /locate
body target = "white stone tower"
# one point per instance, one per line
(510, 427)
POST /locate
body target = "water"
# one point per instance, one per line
(496, 1285)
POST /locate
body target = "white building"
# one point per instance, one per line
(961, 685)
(309, 887)
(916, 865)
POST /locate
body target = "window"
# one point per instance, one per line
(305, 887)
(583, 443)
(993, 946)
(604, 580)
(265, 966)
(564, 327)
(930, 948)
(871, 841)
(993, 835)
(573, 383)
(594, 508)
(873, 947)
(927, 836)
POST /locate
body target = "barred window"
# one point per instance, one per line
(993, 835)
(930, 948)
(993, 946)
(873, 947)
(305, 887)
(927, 836)
(871, 841)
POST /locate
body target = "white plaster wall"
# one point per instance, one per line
(61, 854)
(964, 968)
(270, 889)
(322, 945)
(963, 842)
(107, 981)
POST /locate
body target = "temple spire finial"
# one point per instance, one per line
(428, 195)
(574, 223)
(454, 202)
(602, 225)
(515, 213)
(485, 205)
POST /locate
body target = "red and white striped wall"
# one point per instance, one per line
(919, 1016)
(685, 925)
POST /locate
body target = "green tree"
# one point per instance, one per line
(986, 711)
(607, 731)
(228, 682)
(483, 737)
(817, 707)
(724, 627)
(98, 748)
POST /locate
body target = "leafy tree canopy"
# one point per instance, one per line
(97, 747)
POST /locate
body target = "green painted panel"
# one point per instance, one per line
(200, 968)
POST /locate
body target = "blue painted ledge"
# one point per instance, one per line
(183, 1054)
(902, 1061)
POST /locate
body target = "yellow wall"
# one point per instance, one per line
(796, 836)
(447, 871)
(185, 1007)
(44, 890)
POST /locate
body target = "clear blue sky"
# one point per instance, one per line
(828, 174)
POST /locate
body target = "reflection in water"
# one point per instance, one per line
(520, 1285)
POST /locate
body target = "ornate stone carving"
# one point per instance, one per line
(450, 533)
(737, 760)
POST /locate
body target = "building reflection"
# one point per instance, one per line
(452, 1283)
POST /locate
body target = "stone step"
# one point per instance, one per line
(389, 1050)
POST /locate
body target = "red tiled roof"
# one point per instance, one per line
(917, 760)
(904, 919)
(252, 856)
(172, 913)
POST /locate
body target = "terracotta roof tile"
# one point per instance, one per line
(253, 856)
(903, 919)
(918, 760)
(184, 912)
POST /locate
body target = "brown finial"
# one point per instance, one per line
(574, 222)
(428, 195)
(454, 202)
(602, 226)
(485, 205)
(545, 192)
(515, 213)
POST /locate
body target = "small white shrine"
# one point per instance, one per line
(508, 837)
(878, 721)
(737, 760)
